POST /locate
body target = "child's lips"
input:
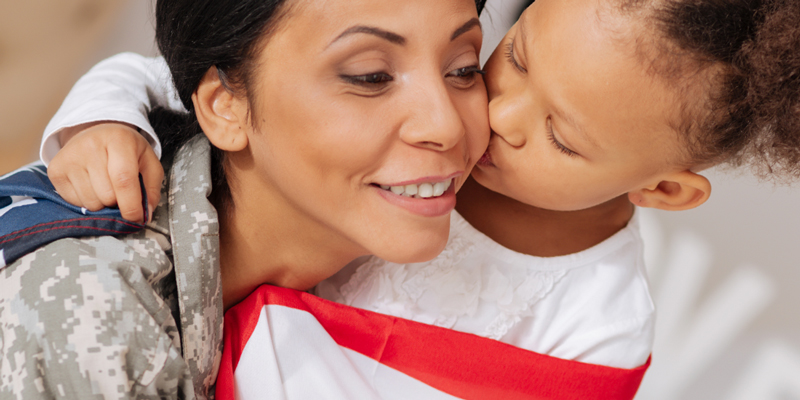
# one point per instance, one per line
(486, 159)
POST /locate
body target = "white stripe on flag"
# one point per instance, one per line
(290, 356)
(17, 201)
(36, 167)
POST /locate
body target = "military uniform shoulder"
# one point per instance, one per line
(92, 314)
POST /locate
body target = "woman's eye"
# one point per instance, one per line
(465, 77)
(374, 81)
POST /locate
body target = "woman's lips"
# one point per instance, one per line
(433, 206)
(423, 190)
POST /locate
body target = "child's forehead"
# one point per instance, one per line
(600, 18)
(590, 76)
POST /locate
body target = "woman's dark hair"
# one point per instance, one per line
(195, 35)
(745, 57)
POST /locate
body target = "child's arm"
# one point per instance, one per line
(122, 88)
(97, 126)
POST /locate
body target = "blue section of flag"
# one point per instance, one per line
(32, 215)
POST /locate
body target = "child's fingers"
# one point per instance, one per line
(84, 191)
(103, 188)
(101, 182)
(152, 175)
(123, 170)
(64, 188)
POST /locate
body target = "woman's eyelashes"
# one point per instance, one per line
(373, 82)
(512, 58)
(558, 145)
(465, 77)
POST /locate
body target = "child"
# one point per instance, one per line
(594, 106)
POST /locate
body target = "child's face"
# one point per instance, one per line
(577, 119)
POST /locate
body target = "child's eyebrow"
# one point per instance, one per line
(565, 116)
(573, 122)
(523, 35)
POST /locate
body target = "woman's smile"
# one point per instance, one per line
(426, 197)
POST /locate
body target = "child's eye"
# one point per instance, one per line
(559, 146)
(512, 59)
(464, 77)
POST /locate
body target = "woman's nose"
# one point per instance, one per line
(435, 122)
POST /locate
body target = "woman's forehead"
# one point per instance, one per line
(321, 20)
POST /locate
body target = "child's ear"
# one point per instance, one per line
(676, 192)
(221, 114)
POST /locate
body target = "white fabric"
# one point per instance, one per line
(122, 88)
(593, 306)
(274, 365)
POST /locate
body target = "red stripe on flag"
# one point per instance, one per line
(461, 364)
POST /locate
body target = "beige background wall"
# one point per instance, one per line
(725, 277)
(45, 46)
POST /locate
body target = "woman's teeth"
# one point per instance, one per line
(421, 191)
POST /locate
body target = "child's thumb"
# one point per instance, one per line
(152, 177)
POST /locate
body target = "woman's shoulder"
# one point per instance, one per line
(89, 301)
(88, 264)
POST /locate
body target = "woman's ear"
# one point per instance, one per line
(221, 114)
(679, 191)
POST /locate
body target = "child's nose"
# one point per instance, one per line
(506, 119)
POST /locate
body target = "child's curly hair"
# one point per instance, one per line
(745, 56)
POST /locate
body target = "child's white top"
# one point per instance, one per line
(592, 306)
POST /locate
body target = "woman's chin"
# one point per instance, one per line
(418, 247)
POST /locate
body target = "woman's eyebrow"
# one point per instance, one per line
(397, 39)
(466, 28)
(371, 30)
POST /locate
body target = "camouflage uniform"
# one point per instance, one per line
(136, 316)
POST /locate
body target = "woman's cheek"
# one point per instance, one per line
(477, 123)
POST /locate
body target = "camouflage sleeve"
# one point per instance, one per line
(85, 319)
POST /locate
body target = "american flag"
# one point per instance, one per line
(286, 344)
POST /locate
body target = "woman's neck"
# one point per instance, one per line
(539, 232)
(264, 242)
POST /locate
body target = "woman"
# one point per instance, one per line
(267, 83)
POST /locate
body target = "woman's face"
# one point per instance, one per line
(367, 115)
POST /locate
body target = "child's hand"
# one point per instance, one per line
(99, 166)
